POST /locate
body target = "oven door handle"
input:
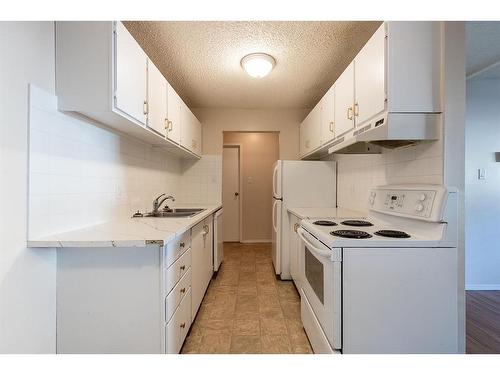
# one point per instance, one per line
(321, 252)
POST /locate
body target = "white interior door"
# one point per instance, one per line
(231, 194)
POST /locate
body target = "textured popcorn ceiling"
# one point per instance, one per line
(202, 59)
(483, 48)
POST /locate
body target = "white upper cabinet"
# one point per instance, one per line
(344, 101)
(328, 116)
(190, 131)
(157, 100)
(369, 78)
(174, 115)
(315, 127)
(131, 76)
(102, 73)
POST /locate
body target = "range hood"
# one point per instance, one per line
(388, 130)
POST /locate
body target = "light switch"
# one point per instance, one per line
(481, 174)
(250, 180)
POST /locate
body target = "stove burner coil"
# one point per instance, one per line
(325, 223)
(358, 234)
(357, 223)
(392, 233)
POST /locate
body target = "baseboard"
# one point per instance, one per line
(482, 287)
(256, 241)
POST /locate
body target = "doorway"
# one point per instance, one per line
(231, 157)
(247, 189)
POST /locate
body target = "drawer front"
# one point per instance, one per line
(174, 273)
(176, 247)
(178, 326)
(177, 294)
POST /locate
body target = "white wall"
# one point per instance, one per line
(482, 197)
(284, 121)
(27, 276)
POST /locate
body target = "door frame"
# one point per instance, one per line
(238, 146)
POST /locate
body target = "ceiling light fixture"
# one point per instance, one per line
(258, 65)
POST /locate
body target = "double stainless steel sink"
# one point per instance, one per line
(175, 212)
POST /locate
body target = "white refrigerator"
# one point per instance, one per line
(297, 184)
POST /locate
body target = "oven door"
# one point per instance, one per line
(321, 276)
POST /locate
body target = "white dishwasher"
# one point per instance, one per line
(218, 244)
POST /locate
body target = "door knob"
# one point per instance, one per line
(236, 194)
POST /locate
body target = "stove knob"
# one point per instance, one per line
(422, 197)
(419, 207)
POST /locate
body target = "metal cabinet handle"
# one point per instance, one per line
(183, 290)
(356, 109)
(183, 325)
(331, 126)
(296, 227)
(145, 107)
(170, 125)
(207, 229)
(183, 267)
(349, 113)
(182, 244)
(165, 122)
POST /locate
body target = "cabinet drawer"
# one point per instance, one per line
(178, 327)
(174, 273)
(176, 247)
(175, 296)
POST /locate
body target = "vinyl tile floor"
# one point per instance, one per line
(246, 309)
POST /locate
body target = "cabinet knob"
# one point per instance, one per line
(183, 325)
(183, 290)
(296, 227)
(182, 244)
(183, 267)
(206, 228)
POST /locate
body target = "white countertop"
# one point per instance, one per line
(324, 212)
(127, 232)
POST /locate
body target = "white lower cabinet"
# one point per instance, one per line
(177, 328)
(202, 265)
(294, 250)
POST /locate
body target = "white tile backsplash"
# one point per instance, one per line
(201, 180)
(82, 173)
(420, 163)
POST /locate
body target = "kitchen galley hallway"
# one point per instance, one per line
(246, 309)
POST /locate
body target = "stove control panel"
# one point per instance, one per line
(411, 203)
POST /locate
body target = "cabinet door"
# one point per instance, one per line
(369, 73)
(174, 115)
(131, 75)
(201, 261)
(294, 249)
(315, 127)
(187, 127)
(196, 144)
(208, 252)
(344, 101)
(302, 139)
(305, 135)
(327, 116)
(157, 100)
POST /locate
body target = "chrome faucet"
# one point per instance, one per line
(158, 202)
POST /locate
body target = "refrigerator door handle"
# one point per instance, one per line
(275, 173)
(275, 203)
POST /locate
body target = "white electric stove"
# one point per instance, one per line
(387, 282)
